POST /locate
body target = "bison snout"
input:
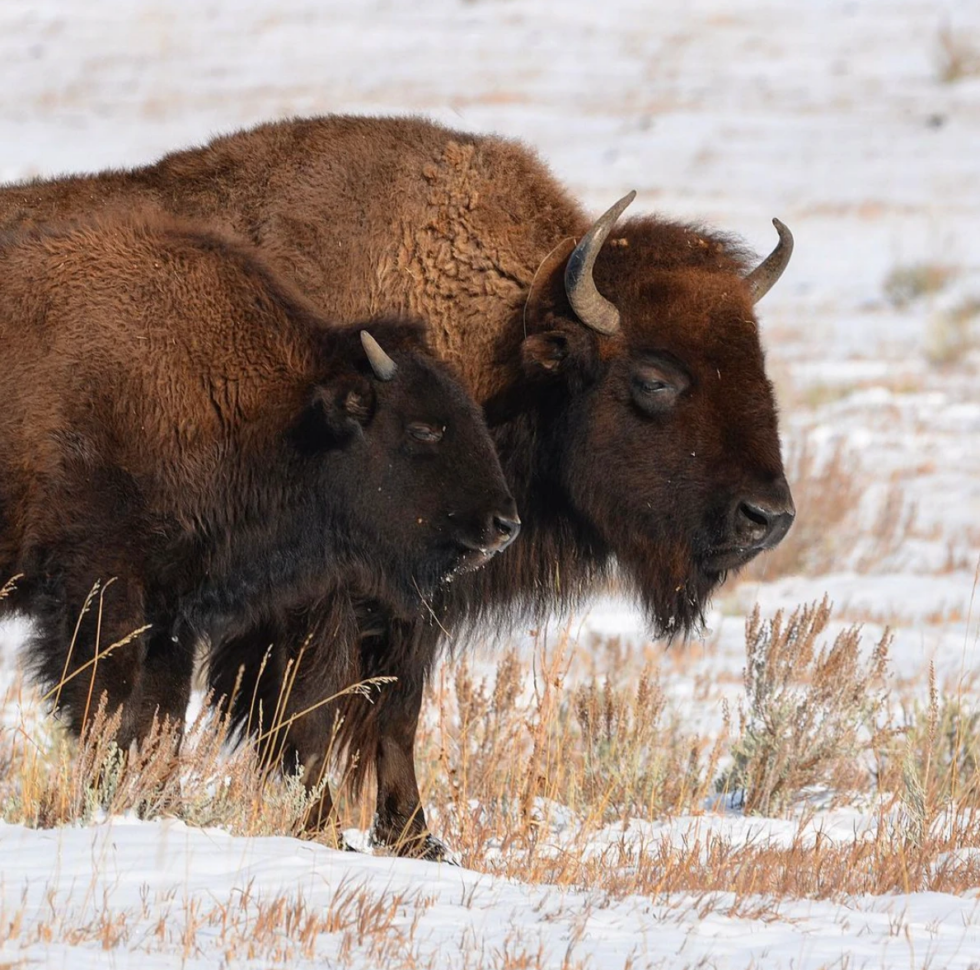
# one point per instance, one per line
(762, 523)
(495, 532)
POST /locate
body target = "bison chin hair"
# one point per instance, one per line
(672, 588)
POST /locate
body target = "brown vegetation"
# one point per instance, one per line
(584, 754)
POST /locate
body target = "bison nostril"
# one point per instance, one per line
(763, 526)
(506, 528)
(756, 515)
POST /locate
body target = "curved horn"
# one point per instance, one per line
(763, 278)
(590, 306)
(383, 366)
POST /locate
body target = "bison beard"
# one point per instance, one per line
(672, 589)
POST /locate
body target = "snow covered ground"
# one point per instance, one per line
(856, 123)
(197, 899)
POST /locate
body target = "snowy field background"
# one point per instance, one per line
(857, 122)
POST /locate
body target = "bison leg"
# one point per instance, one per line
(167, 675)
(255, 678)
(90, 643)
(282, 671)
(101, 643)
(400, 820)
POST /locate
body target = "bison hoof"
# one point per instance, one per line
(425, 846)
(328, 835)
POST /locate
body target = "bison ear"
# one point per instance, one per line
(346, 405)
(544, 353)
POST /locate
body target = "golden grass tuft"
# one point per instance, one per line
(908, 283)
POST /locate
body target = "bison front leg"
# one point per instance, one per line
(400, 820)
(271, 679)
(167, 674)
(90, 644)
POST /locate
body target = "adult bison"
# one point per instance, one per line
(621, 372)
(186, 432)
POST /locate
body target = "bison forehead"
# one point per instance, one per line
(648, 241)
(676, 287)
(702, 319)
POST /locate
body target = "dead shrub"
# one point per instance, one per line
(931, 758)
(521, 754)
(906, 284)
(811, 712)
(949, 336)
(957, 56)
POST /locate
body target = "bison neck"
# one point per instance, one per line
(558, 561)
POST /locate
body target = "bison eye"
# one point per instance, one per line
(655, 389)
(425, 432)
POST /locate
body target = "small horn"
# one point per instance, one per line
(764, 277)
(590, 306)
(383, 366)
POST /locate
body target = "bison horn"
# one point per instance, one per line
(590, 306)
(763, 278)
(382, 365)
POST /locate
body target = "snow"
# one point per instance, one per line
(155, 879)
(831, 116)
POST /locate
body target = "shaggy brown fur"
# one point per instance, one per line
(649, 449)
(185, 434)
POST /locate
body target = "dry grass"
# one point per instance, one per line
(957, 56)
(829, 533)
(52, 781)
(524, 752)
(542, 770)
(950, 335)
(277, 930)
(906, 284)
(527, 779)
(809, 713)
(813, 865)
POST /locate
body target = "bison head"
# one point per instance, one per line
(661, 421)
(421, 484)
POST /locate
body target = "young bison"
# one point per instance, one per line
(182, 429)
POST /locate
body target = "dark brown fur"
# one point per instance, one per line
(404, 216)
(185, 434)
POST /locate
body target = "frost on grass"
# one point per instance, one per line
(811, 711)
